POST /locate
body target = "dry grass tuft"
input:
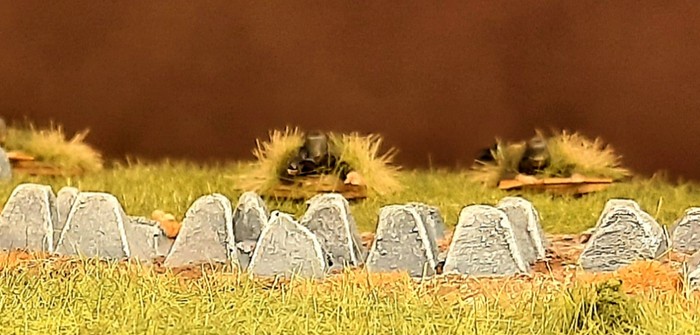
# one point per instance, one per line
(570, 153)
(272, 156)
(574, 153)
(362, 154)
(51, 145)
(506, 159)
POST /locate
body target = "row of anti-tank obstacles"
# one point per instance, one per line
(502, 240)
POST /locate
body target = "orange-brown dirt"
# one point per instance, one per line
(658, 276)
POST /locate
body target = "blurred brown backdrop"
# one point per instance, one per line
(203, 79)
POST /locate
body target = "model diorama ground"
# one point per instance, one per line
(41, 294)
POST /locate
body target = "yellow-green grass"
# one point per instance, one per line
(173, 186)
(49, 296)
(85, 297)
(51, 145)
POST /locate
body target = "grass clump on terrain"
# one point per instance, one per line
(361, 153)
(51, 145)
(570, 153)
(272, 157)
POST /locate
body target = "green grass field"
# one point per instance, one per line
(51, 297)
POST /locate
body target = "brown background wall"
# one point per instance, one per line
(203, 79)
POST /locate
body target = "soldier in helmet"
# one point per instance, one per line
(314, 157)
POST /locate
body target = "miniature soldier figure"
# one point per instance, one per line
(314, 157)
(536, 157)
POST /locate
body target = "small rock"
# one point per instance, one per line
(27, 219)
(287, 249)
(484, 245)
(402, 243)
(694, 271)
(206, 235)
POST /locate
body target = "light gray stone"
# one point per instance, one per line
(432, 218)
(143, 241)
(525, 221)
(624, 234)
(287, 249)
(685, 232)
(64, 201)
(484, 245)
(27, 219)
(249, 216)
(5, 166)
(206, 235)
(402, 243)
(329, 218)
(434, 225)
(95, 228)
(694, 271)
(162, 243)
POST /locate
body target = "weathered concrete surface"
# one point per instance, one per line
(434, 225)
(249, 216)
(402, 243)
(287, 249)
(685, 233)
(5, 166)
(484, 245)
(27, 219)
(624, 234)
(525, 221)
(432, 218)
(329, 218)
(694, 271)
(162, 243)
(64, 201)
(95, 227)
(206, 235)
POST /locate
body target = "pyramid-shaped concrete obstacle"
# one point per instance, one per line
(484, 245)
(624, 234)
(328, 217)
(525, 221)
(694, 271)
(164, 243)
(64, 201)
(249, 217)
(287, 249)
(685, 233)
(206, 236)
(98, 227)
(402, 243)
(434, 224)
(27, 219)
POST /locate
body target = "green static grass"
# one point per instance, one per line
(86, 297)
(174, 186)
(51, 145)
(48, 297)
